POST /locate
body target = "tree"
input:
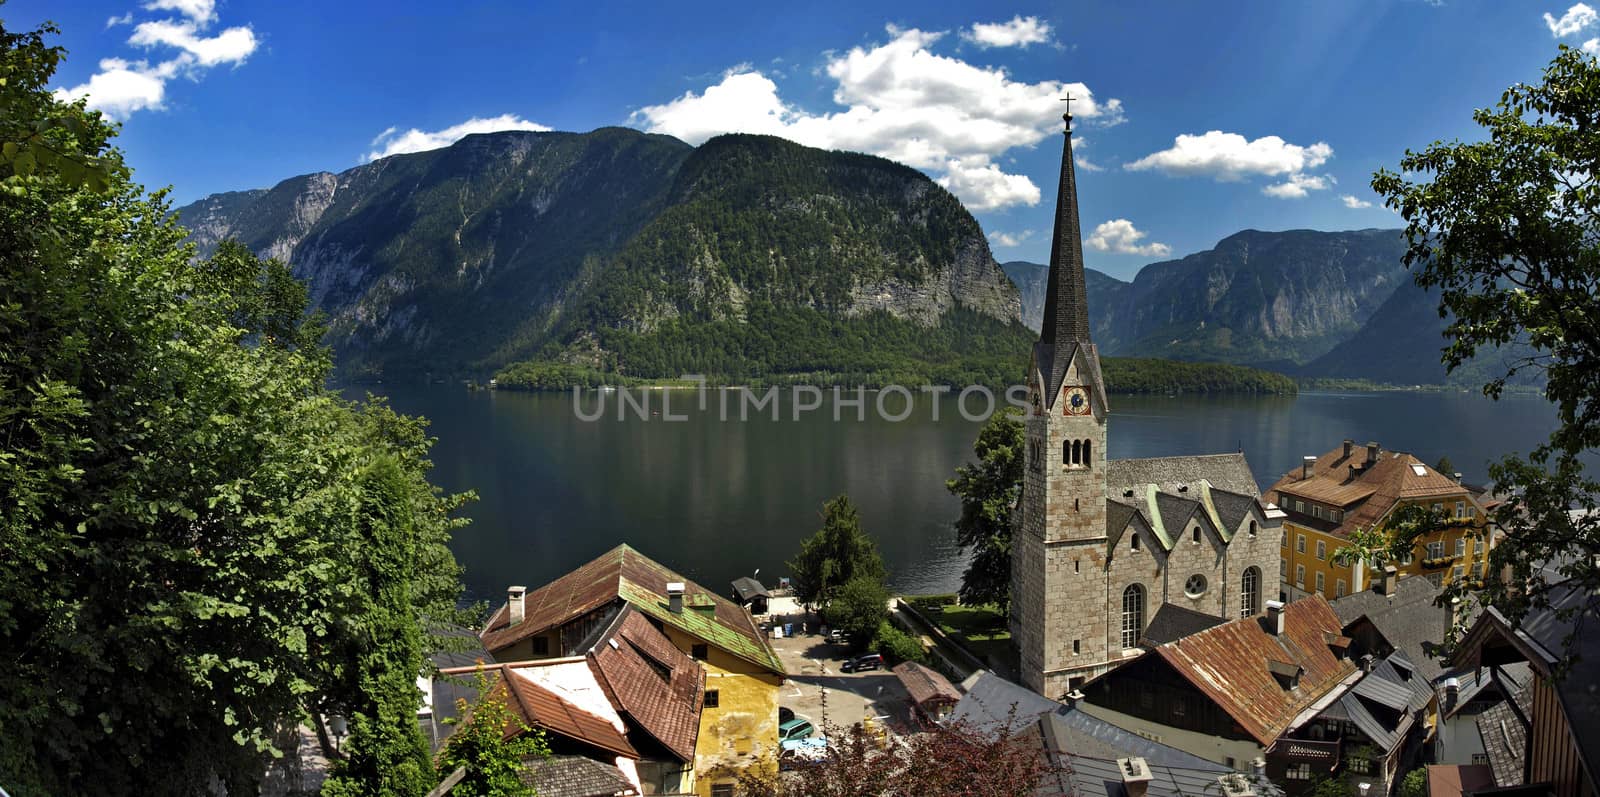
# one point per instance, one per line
(492, 743)
(837, 553)
(1414, 784)
(204, 545)
(859, 607)
(1445, 466)
(989, 490)
(1508, 230)
(950, 760)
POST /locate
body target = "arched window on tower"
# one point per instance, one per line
(1077, 452)
(1066, 452)
(1250, 592)
(1132, 615)
(1086, 459)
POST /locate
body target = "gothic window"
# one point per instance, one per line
(1250, 592)
(1135, 544)
(1066, 452)
(1086, 459)
(1077, 452)
(1132, 615)
(1252, 528)
(1196, 534)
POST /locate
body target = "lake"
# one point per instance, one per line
(718, 498)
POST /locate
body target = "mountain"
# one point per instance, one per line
(1270, 299)
(1104, 291)
(623, 249)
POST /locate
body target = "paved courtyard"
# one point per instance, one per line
(816, 689)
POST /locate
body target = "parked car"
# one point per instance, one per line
(838, 637)
(797, 728)
(785, 714)
(869, 661)
(796, 753)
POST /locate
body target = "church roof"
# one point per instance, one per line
(1173, 622)
(1065, 330)
(1224, 471)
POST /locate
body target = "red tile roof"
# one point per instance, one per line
(625, 574)
(651, 682)
(1232, 665)
(541, 708)
(1368, 495)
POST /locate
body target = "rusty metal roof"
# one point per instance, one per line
(542, 708)
(656, 685)
(1232, 665)
(924, 684)
(624, 573)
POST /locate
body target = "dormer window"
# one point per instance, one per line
(1287, 675)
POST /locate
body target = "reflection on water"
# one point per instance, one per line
(718, 499)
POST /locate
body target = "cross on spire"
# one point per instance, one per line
(1067, 117)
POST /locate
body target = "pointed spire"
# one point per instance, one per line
(1066, 309)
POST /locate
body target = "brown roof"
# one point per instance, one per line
(1367, 495)
(652, 682)
(541, 708)
(1231, 664)
(1454, 780)
(925, 684)
(623, 573)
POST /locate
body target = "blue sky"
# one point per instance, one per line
(1198, 119)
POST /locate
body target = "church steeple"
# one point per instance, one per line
(1066, 310)
(1065, 333)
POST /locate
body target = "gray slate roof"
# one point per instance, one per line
(1394, 684)
(1409, 620)
(1098, 777)
(1225, 472)
(1173, 622)
(1231, 507)
(1505, 741)
(988, 708)
(573, 776)
(746, 588)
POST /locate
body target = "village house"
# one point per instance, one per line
(737, 722)
(1236, 692)
(1359, 487)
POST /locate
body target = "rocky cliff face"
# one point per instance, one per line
(508, 244)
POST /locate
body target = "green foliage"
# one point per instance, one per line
(1445, 466)
(1505, 230)
(492, 744)
(898, 645)
(859, 607)
(927, 603)
(203, 544)
(839, 552)
(1414, 784)
(1330, 786)
(989, 490)
(1142, 375)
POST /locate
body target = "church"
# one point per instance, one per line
(1104, 547)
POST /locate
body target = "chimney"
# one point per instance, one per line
(1135, 776)
(1258, 767)
(1349, 445)
(675, 597)
(1275, 618)
(514, 603)
(1391, 579)
(1456, 476)
(1449, 695)
(1305, 466)
(1372, 452)
(1072, 698)
(1367, 663)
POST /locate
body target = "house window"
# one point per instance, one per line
(1436, 579)
(1338, 588)
(1250, 592)
(1480, 758)
(541, 646)
(1456, 572)
(1436, 549)
(722, 790)
(1283, 568)
(1252, 528)
(1301, 771)
(1132, 614)
(1338, 515)
(1319, 583)
(1135, 544)
(1285, 543)
(1300, 544)
(1461, 510)
(713, 699)
(1461, 546)
(1300, 576)
(1322, 550)
(1075, 647)
(1360, 765)
(698, 651)
(1438, 507)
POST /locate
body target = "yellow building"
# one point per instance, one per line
(734, 722)
(1350, 488)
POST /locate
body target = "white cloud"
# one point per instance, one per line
(1230, 157)
(393, 142)
(1578, 17)
(201, 12)
(231, 46)
(903, 102)
(1009, 239)
(1354, 203)
(1119, 236)
(1298, 185)
(124, 86)
(1019, 32)
(1086, 165)
(1592, 46)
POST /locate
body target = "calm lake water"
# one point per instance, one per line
(716, 499)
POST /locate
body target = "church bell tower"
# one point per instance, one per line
(1058, 561)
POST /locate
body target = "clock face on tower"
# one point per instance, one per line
(1077, 401)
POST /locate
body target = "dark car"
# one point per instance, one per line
(869, 661)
